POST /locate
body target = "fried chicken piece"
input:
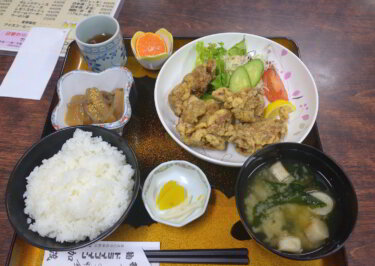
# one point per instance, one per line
(211, 107)
(284, 114)
(195, 108)
(212, 131)
(178, 96)
(201, 76)
(194, 83)
(228, 118)
(220, 123)
(201, 138)
(246, 105)
(250, 137)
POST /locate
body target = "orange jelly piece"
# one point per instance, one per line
(150, 44)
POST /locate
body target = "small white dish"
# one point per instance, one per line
(153, 62)
(76, 82)
(184, 173)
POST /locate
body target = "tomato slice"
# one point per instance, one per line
(273, 86)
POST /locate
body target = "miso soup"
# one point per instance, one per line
(290, 206)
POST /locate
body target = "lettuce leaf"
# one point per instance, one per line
(217, 52)
(212, 51)
(238, 49)
(222, 77)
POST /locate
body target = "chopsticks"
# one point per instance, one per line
(237, 256)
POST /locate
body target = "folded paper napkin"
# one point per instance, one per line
(33, 66)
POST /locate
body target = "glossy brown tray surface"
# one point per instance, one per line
(147, 136)
(152, 144)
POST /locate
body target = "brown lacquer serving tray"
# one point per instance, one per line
(220, 226)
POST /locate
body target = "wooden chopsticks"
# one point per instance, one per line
(237, 256)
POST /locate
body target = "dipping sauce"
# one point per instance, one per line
(95, 107)
(100, 38)
(290, 206)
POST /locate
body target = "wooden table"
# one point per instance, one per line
(337, 43)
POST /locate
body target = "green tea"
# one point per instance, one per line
(99, 38)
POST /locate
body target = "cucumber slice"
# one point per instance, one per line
(239, 80)
(255, 69)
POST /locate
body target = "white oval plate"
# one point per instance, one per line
(297, 79)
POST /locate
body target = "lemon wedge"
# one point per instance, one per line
(272, 110)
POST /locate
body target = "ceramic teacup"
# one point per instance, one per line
(102, 55)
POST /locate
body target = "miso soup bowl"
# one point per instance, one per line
(339, 183)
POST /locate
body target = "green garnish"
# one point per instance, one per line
(238, 48)
(275, 186)
(206, 96)
(212, 51)
(292, 194)
(222, 77)
(217, 52)
(302, 174)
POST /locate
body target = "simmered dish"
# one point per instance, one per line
(289, 206)
(224, 100)
(95, 107)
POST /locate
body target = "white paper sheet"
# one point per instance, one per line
(33, 66)
(103, 253)
(18, 17)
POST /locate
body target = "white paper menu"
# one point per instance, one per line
(103, 253)
(17, 17)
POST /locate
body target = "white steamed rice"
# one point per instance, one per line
(79, 192)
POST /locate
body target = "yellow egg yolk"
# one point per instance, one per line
(170, 195)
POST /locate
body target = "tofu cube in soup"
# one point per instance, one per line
(290, 244)
(279, 172)
(317, 231)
